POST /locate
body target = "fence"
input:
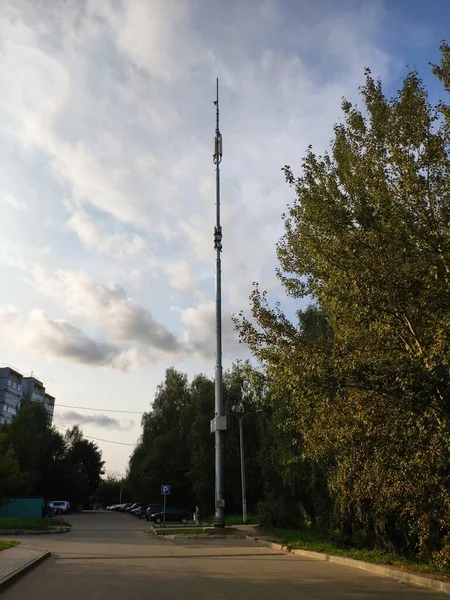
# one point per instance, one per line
(22, 507)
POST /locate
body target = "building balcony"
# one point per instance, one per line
(7, 412)
(14, 387)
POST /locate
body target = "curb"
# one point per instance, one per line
(14, 532)
(402, 576)
(9, 579)
(191, 537)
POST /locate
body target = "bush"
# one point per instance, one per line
(276, 511)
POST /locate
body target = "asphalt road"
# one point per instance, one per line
(110, 556)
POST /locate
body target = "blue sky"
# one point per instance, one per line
(107, 182)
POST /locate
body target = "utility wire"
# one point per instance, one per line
(130, 412)
(99, 439)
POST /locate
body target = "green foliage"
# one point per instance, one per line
(5, 544)
(359, 387)
(108, 492)
(32, 524)
(308, 538)
(84, 461)
(176, 445)
(11, 477)
(37, 460)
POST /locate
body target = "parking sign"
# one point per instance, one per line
(165, 490)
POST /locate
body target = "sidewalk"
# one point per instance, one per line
(17, 560)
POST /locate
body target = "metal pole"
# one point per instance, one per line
(243, 484)
(219, 422)
(121, 483)
(164, 512)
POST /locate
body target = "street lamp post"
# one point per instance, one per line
(243, 483)
(242, 457)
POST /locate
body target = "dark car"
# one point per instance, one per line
(152, 508)
(173, 515)
(141, 511)
(139, 508)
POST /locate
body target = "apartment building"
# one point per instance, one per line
(14, 386)
(10, 393)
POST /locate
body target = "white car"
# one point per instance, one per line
(60, 507)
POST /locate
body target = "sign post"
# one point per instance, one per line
(165, 491)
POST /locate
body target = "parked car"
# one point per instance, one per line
(152, 509)
(173, 515)
(123, 507)
(141, 510)
(59, 507)
(132, 507)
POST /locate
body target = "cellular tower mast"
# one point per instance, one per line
(219, 423)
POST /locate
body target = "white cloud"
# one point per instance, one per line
(106, 123)
(40, 334)
(69, 417)
(106, 306)
(95, 236)
(200, 332)
(13, 202)
(8, 316)
(146, 34)
(180, 275)
(57, 337)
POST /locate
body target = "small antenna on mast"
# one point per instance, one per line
(217, 155)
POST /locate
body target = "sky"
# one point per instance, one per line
(107, 185)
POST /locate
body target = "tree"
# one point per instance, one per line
(109, 491)
(201, 443)
(11, 477)
(28, 435)
(177, 446)
(86, 466)
(161, 455)
(367, 390)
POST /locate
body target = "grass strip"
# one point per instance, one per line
(309, 539)
(33, 524)
(5, 544)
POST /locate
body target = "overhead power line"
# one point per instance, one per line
(129, 412)
(99, 439)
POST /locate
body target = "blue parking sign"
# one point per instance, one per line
(165, 490)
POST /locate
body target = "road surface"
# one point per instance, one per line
(111, 556)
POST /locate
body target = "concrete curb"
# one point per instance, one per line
(17, 573)
(14, 532)
(403, 576)
(181, 536)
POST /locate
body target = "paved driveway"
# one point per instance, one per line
(110, 556)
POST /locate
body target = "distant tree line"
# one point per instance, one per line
(176, 446)
(354, 432)
(37, 460)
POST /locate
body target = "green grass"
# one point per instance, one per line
(309, 539)
(33, 524)
(178, 530)
(5, 544)
(192, 531)
(235, 520)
